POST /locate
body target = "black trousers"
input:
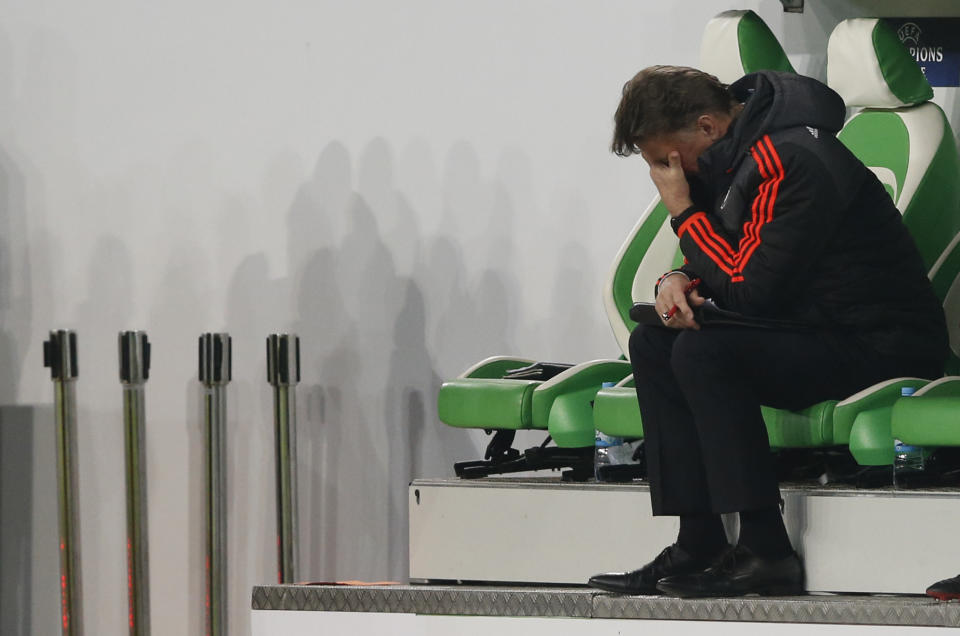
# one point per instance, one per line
(700, 394)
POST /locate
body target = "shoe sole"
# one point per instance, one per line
(945, 596)
(773, 590)
(625, 592)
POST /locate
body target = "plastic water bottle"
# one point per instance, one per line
(609, 450)
(907, 460)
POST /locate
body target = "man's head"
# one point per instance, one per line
(666, 108)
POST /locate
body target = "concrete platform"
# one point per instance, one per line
(545, 531)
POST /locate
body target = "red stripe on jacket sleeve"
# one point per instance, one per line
(694, 228)
(766, 209)
(715, 246)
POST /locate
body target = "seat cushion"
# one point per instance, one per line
(931, 417)
(487, 403)
(809, 428)
(932, 421)
(617, 413)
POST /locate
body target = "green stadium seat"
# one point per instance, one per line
(907, 142)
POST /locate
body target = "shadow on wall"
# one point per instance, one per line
(109, 290)
(16, 306)
(29, 589)
(576, 300)
(473, 252)
(312, 253)
(183, 290)
(251, 311)
(28, 535)
(368, 396)
(344, 299)
(391, 295)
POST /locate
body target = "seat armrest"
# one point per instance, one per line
(929, 416)
(877, 396)
(563, 404)
(942, 387)
(588, 375)
(495, 367)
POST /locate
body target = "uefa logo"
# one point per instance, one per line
(909, 34)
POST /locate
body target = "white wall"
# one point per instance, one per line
(409, 186)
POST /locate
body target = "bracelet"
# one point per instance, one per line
(656, 288)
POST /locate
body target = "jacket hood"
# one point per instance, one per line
(772, 101)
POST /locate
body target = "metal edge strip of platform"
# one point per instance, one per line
(786, 488)
(427, 599)
(586, 603)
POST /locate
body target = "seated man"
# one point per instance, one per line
(779, 220)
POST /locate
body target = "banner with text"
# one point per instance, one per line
(934, 44)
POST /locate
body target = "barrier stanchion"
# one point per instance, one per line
(283, 373)
(60, 355)
(215, 355)
(134, 350)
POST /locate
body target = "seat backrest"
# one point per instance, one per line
(945, 277)
(906, 140)
(734, 43)
(739, 42)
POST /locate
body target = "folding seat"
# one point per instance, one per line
(931, 416)
(562, 404)
(907, 142)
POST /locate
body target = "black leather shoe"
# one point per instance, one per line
(673, 560)
(946, 590)
(738, 572)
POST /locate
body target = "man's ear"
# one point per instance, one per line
(709, 126)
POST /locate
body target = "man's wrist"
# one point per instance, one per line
(676, 208)
(656, 288)
(678, 220)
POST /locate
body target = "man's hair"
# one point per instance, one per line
(664, 99)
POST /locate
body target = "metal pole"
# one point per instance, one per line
(283, 373)
(60, 355)
(134, 350)
(215, 363)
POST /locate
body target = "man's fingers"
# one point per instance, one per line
(674, 159)
(683, 309)
(672, 295)
(683, 317)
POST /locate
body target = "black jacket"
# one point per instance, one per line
(788, 223)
